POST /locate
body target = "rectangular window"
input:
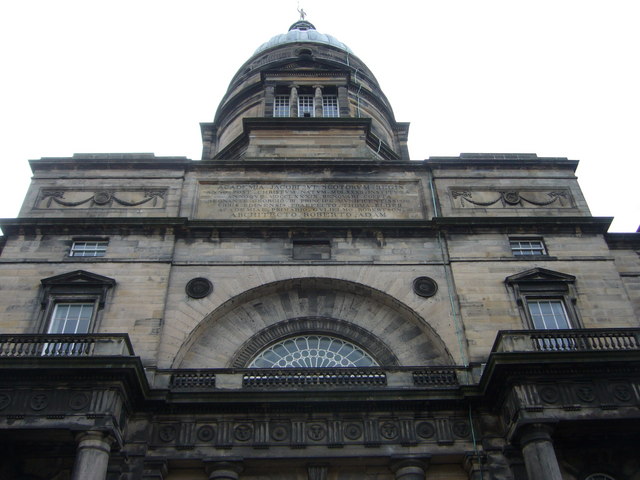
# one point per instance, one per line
(305, 105)
(71, 318)
(89, 249)
(527, 247)
(548, 314)
(330, 106)
(68, 318)
(281, 106)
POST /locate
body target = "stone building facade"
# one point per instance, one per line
(306, 302)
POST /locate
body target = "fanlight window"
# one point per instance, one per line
(312, 351)
(599, 476)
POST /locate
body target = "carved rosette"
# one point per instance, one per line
(333, 432)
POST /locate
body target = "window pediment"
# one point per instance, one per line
(77, 283)
(540, 275)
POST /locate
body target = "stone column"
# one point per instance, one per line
(229, 470)
(92, 456)
(269, 98)
(539, 456)
(317, 101)
(343, 101)
(293, 101)
(410, 469)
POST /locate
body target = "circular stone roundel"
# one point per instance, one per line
(199, 287)
(425, 287)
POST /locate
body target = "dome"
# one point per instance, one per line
(302, 31)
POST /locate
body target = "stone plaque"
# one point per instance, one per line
(310, 201)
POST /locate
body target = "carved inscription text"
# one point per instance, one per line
(309, 201)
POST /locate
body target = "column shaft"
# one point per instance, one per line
(92, 456)
(539, 456)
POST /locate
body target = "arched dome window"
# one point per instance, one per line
(599, 476)
(312, 351)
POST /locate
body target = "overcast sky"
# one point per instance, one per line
(557, 78)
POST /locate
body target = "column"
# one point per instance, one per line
(92, 456)
(343, 101)
(293, 101)
(317, 101)
(269, 98)
(539, 456)
(229, 470)
(410, 469)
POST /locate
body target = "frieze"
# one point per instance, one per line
(301, 433)
(490, 198)
(57, 403)
(568, 396)
(105, 198)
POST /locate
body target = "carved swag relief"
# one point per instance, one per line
(468, 198)
(60, 198)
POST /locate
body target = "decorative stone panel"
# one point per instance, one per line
(521, 198)
(372, 431)
(104, 198)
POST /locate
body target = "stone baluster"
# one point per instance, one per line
(92, 457)
(410, 469)
(224, 470)
(539, 456)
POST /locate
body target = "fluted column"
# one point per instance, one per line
(409, 469)
(225, 470)
(92, 456)
(539, 456)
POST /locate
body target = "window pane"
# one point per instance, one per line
(305, 105)
(281, 106)
(312, 351)
(527, 247)
(71, 318)
(548, 314)
(88, 249)
(330, 106)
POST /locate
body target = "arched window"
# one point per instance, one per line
(312, 351)
(599, 476)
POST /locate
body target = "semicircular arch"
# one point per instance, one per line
(395, 334)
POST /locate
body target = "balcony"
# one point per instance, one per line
(571, 340)
(60, 345)
(313, 378)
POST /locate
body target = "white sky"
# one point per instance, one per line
(552, 77)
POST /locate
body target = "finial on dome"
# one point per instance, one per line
(302, 24)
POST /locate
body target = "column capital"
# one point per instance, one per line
(409, 468)
(224, 469)
(95, 439)
(535, 432)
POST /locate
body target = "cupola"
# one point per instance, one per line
(304, 95)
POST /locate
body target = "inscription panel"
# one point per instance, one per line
(310, 200)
